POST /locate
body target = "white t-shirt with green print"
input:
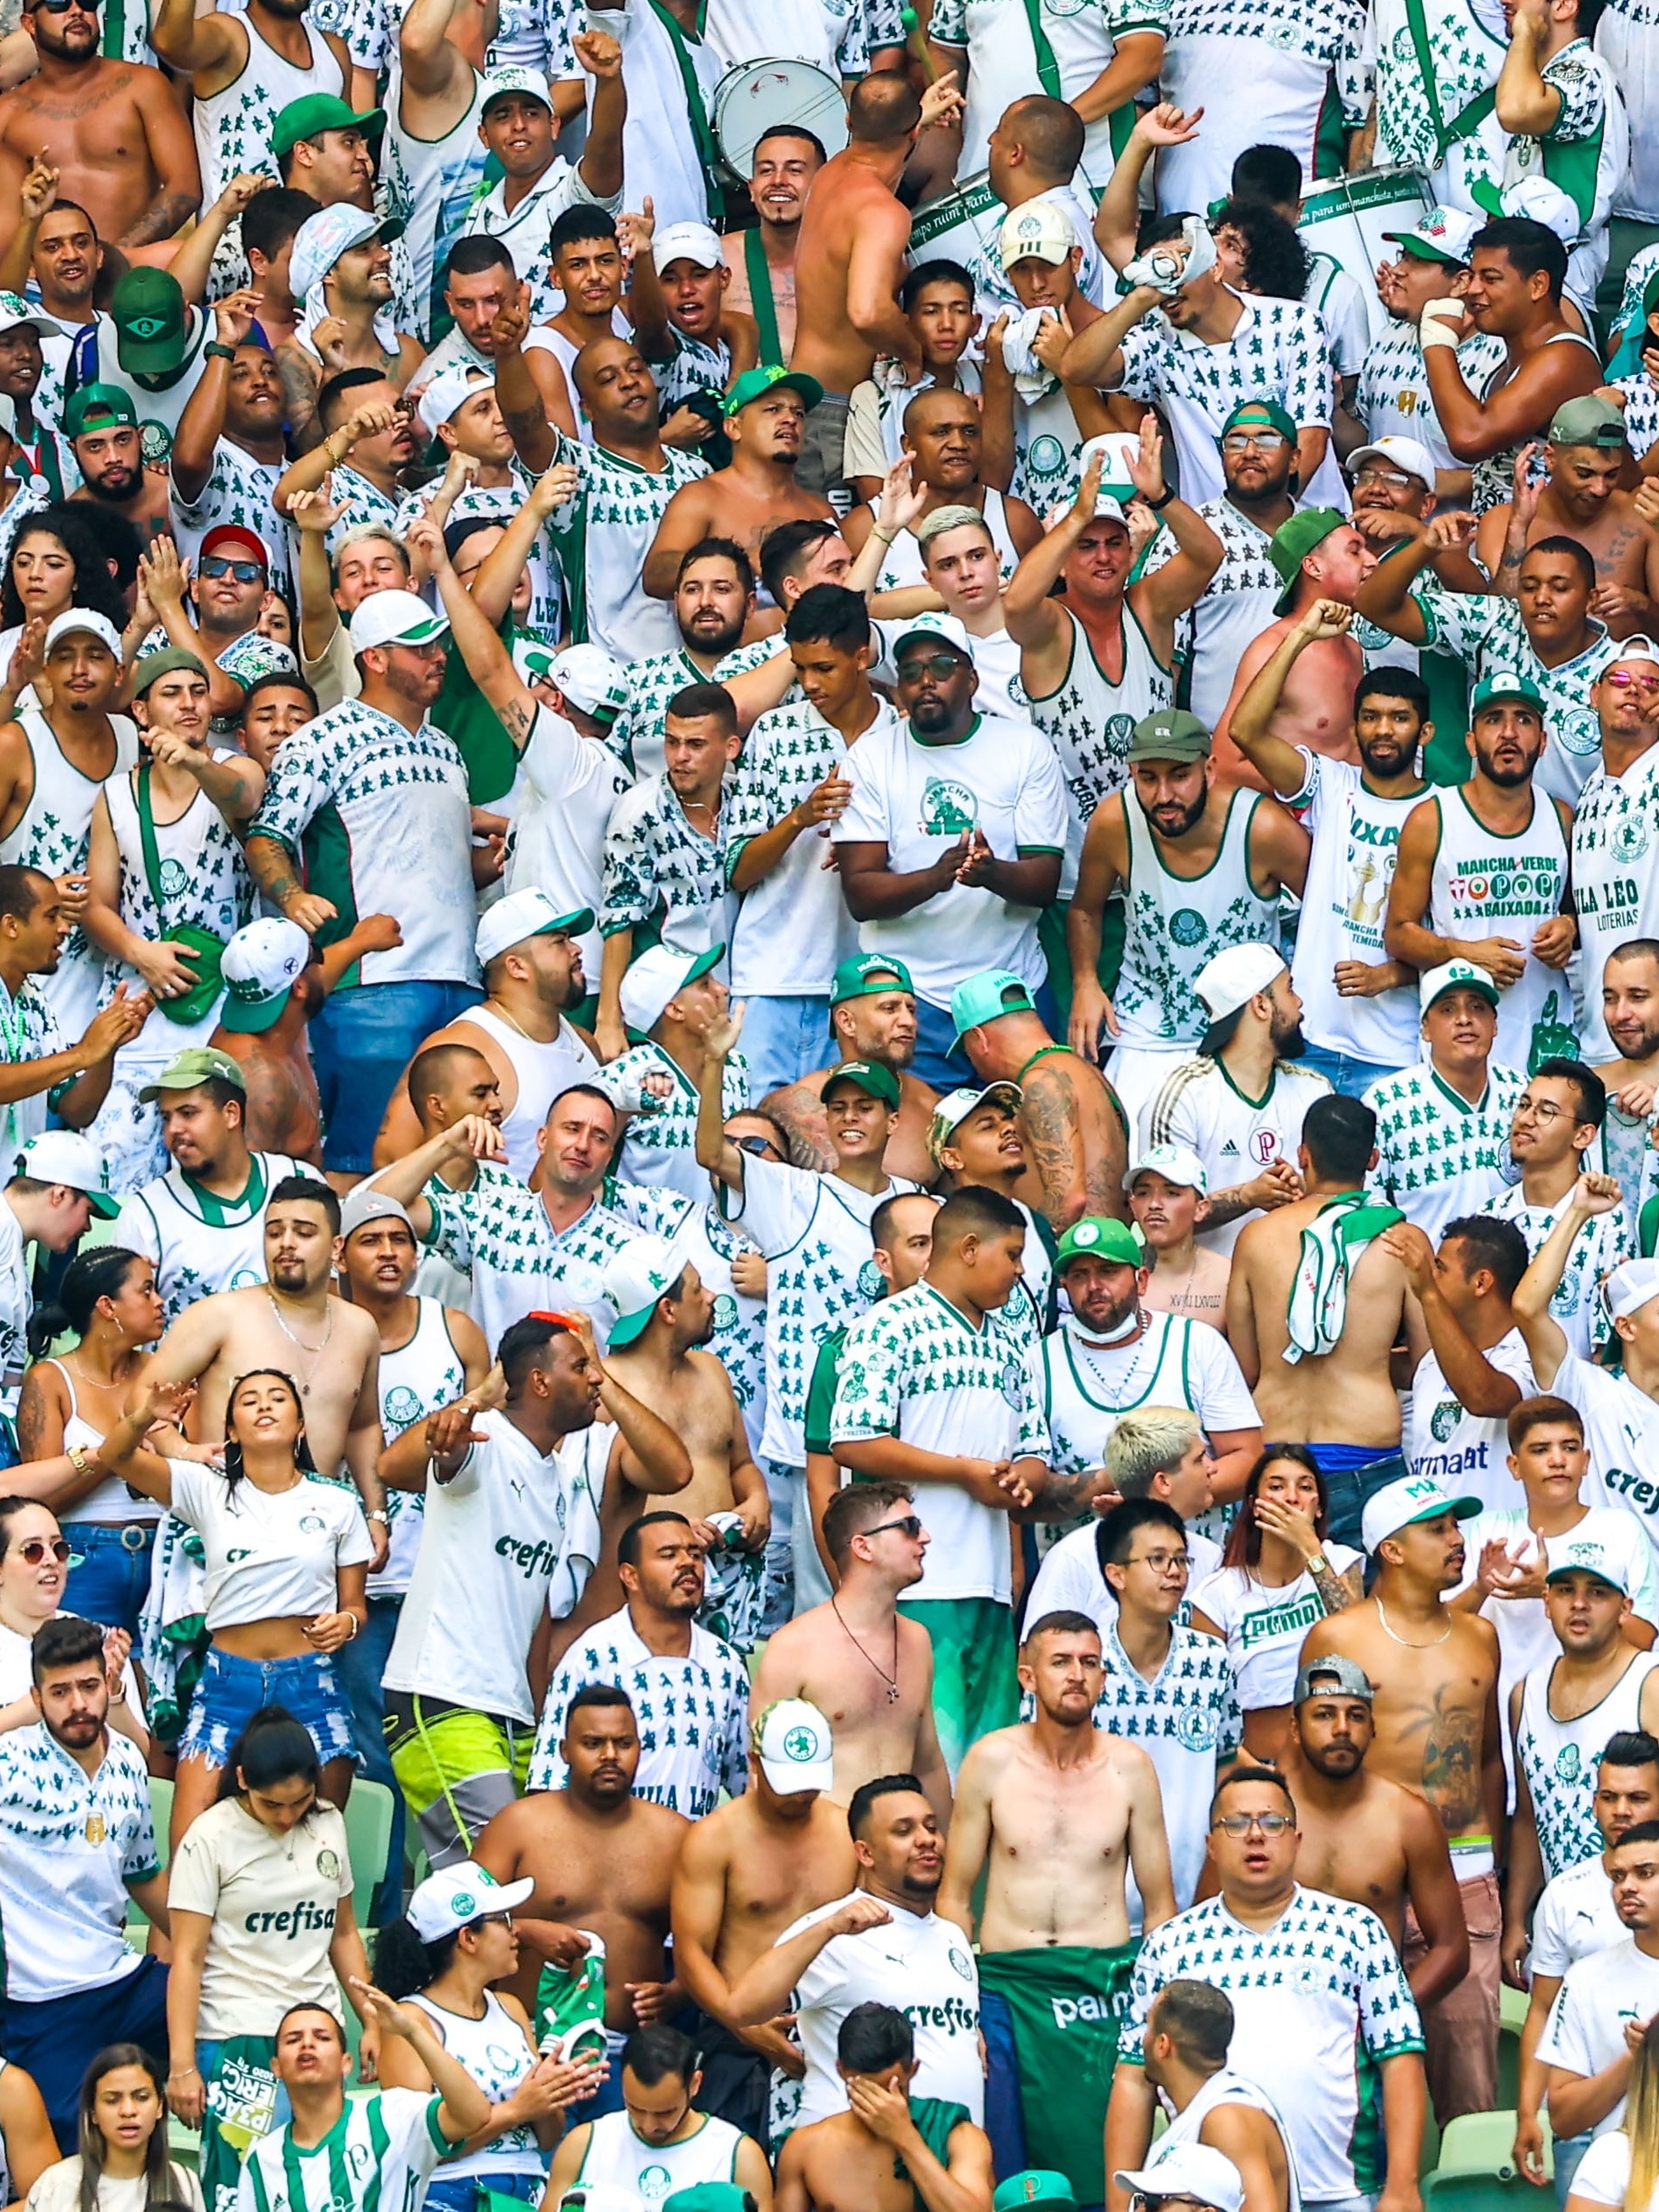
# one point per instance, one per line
(499, 1231)
(659, 1145)
(602, 537)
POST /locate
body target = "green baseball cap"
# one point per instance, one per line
(866, 974)
(1037, 2185)
(152, 323)
(710, 2196)
(1268, 411)
(320, 111)
(156, 665)
(1096, 1238)
(987, 997)
(196, 1064)
(98, 407)
(1293, 541)
(868, 1076)
(1505, 684)
(1589, 420)
(1170, 734)
(755, 382)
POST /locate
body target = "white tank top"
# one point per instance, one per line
(1488, 885)
(234, 127)
(200, 1242)
(204, 880)
(1226, 2088)
(55, 833)
(1083, 1407)
(110, 1503)
(1089, 720)
(415, 1381)
(541, 1072)
(617, 2158)
(902, 565)
(1178, 923)
(1559, 1758)
(496, 2052)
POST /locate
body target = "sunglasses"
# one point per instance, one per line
(936, 665)
(244, 571)
(34, 1550)
(909, 1524)
(760, 1147)
(62, 7)
(1622, 679)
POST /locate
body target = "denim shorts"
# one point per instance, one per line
(232, 1690)
(109, 1579)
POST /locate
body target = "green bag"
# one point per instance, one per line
(208, 949)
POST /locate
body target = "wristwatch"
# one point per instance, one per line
(379, 1513)
(217, 350)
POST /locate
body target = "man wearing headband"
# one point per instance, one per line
(1616, 897)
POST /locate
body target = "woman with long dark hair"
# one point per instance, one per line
(34, 1567)
(58, 561)
(1278, 1576)
(259, 1896)
(284, 1562)
(122, 2164)
(109, 1299)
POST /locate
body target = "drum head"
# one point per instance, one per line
(753, 99)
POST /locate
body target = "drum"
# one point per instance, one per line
(1345, 218)
(756, 96)
(957, 227)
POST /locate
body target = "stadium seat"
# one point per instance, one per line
(368, 1834)
(1481, 2145)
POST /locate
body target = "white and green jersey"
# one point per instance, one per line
(378, 2157)
(815, 1233)
(429, 184)
(1047, 448)
(692, 370)
(1464, 1451)
(1175, 925)
(1485, 883)
(828, 34)
(1277, 352)
(199, 1241)
(602, 537)
(661, 873)
(1585, 152)
(793, 927)
(416, 1379)
(1621, 1433)
(1436, 59)
(1624, 37)
(1604, 1243)
(1394, 400)
(239, 489)
(1188, 1722)
(1488, 633)
(1202, 1109)
(659, 1145)
(381, 818)
(1438, 1155)
(1236, 607)
(523, 231)
(233, 126)
(1265, 1623)
(637, 732)
(69, 1844)
(364, 505)
(619, 2158)
(29, 1030)
(1641, 399)
(1615, 884)
(1560, 1759)
(1320, 1999)
(499, 503)
(915, 1367)
(1089, 719)
(1356, 838)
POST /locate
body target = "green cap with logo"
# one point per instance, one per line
(318, 111)
(1037, 2185)
(196, 1064)
(755, 383)
(1293, 542)
(1505, 684)
(866, 975)
(98, 407)
(1589, 420)
(152, 323)
(987, 997)
(1096, 1238)
(869, 1076)
(1170, 734)
(1255, 414)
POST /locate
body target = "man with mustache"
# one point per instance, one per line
(1587, 452)
(785, 161)
(764, 416)
(1613, 893)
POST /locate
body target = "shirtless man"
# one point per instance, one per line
(116, 129)
(882, 1710)
(1317, 554)
(1587, 454)
(1060, 1810)
(872, 1017)
(786, 160)
(850, 257)
(1364, 1837)
(747, 1871)
(602, 1861)
(1341, 1401)
(765, 414)
(1435, 1713)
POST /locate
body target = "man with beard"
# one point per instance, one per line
(714, 598)
(762, 261)
(1364, 1837)
(1393, 400)
(101, 424)
(1630, 1010)
(871, 1019)
(362, 413)
(243, 69)
(1358, 1011)
(764, 416)
(944, 435)
(1614, 896)
(1056, 1813)
(1456, 894)
(229, 455)
(222, 614)
(115, 128)
(1208, 863)
(341, 265)
(1587, 456)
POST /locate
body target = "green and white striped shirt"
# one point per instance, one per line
(378, 2157)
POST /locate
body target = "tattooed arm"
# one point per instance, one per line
(271, 867)
(1075, 1134)
(799, 1112)
(170, 145)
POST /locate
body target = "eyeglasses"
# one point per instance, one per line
(33, 1550)
(1240, 1823)
(1253, 441)
(1396, 479)
(491, 1920)
(244, 571)
(936, 664)
(1540, 1110)
(909, 1524)
(1161, 1562)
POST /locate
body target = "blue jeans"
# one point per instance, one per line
(1353, 1473)
(1343, 1072)
(465, 2192)
(1005, 2122)
(359, 1666)
(362, 1039)
(54, 2040)
(784, 1039)
(110, 1578)
(1568, 2151)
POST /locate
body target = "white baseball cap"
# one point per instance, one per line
(646, 1269)
(795, 1746)
(523, 914)
(687, 241)
(64, 1156)
(260, 964)
(1633, 649)
(1408, 453)
(1189, 2170)
(1235, 976)
(1036, 231)
(84, 621)
(1630, 1287)
(393, 617)
(451, 390)
(590, 680)
(934, 623)
(1573, 1554)
(1176, 1163)
(516, 82)
(1443, 235)
(1397, 1505)
(649, 986)
(461, 1895)
(1454, 975)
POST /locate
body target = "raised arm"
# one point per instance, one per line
(1095, 356)
(715, 1150)
(171, 144)
(522, 409)
(489, 662)
(600, 167)
(1546, 1342)
(1280, 765)
(472, 1138)
(765, 1990)
(1479, 1387)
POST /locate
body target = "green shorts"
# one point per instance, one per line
(975, 1687)
(1066, 2006)
(457, 1769)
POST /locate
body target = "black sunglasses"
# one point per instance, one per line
(908, 1523)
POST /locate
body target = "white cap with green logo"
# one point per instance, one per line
(795, 1748)
(461, 1895)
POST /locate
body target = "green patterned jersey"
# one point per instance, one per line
(1438, 1155)
(637, 732)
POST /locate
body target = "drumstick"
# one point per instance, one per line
(918, 44)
